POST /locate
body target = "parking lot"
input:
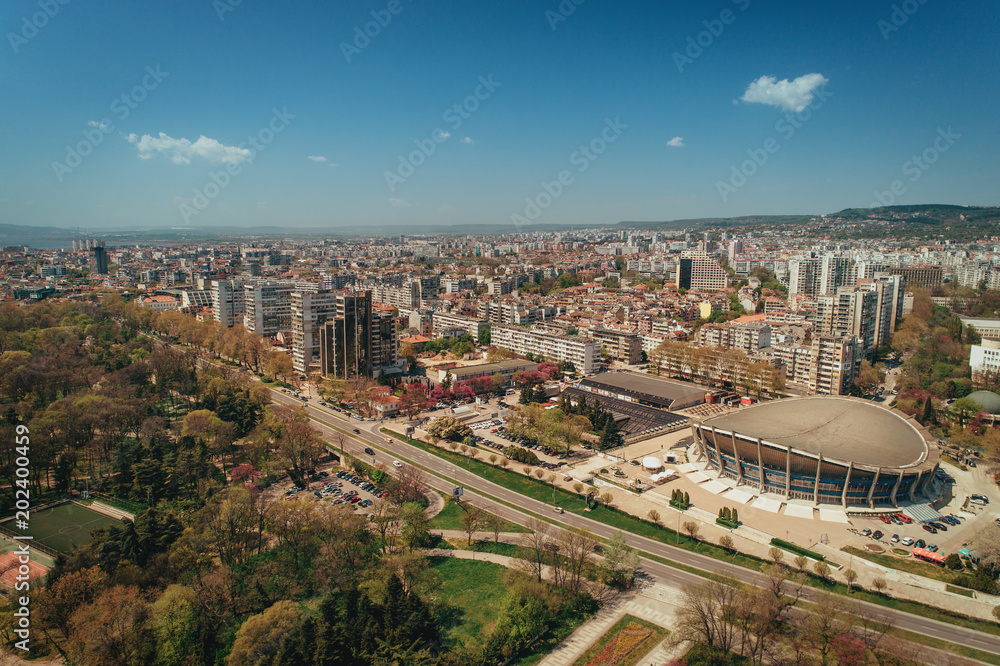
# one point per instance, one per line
(340, 488)
(492, 435)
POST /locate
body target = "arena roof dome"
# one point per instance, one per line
(843, 429)
(988, 400)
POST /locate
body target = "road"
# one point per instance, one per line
(475, 486)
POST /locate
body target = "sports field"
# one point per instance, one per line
(64, 527)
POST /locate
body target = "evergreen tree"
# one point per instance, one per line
(928, 417)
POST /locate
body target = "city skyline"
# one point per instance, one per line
(394, 113)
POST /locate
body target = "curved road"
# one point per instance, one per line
(386, 452)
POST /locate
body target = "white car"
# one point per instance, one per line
(396, 463)
(907, 541)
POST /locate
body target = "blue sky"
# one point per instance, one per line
(881, 93)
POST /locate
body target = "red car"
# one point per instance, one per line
(885, 519)
(905, 518)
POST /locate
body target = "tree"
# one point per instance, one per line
(880, 585)
(298, 443)
(472, 519)
(259, 638)
(176, 623)
(531, 548)
(113, 630)
(822, 569)
(653, 515)
(691, 529)
(964, 409)
(484, 336)
(607, 498)
(278, 364)
(415, 525)
(703, 616)
(620, 562)
(850, 576)
(801, 562)
(450, 428)
(726, 541)
(776, 554)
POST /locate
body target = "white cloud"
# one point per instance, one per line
(468, 141)
(317, 158)
(399, 203)
(104, 127)
(180, 151)
(676, 142)
(792, 95)
(442, 135)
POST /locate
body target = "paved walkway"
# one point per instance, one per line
(435, 503)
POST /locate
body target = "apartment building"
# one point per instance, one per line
(745, 336)
(453, 285)
(623, 346)
(356, 341)
(925, 277)
(797, 360)
(984, 359)
(443, 321)
(228, 304)
(701, 273)
(583, 353)
(268, 307)
(834, 364)
(310, 311)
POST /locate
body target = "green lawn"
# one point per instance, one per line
(702, 655)
(65, 526)
(472, 592)
(638, 652)
(907, 564)
(964, 591)
(487, 546)
(451, 515)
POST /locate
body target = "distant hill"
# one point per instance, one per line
(716, 222)
(924, 221)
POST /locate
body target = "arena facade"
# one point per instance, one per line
(830, 450)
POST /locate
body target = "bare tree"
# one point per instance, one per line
(654, 516)
(823, 627)
(471, 519)
(576, 545)
(727, 542)
(880, 585)
(531, 549)
(691, 529)
(702, 617)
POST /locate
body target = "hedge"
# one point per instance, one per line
(781, 543)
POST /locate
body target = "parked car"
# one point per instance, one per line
(894, 538)
(866, 532)
(877, 534)
(928, 528)
(919, 543)
(907, 541)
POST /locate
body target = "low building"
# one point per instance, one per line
(506, 369)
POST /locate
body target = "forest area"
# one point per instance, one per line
(215, 569)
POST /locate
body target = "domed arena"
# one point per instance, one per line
(831, 450)
(987, 400)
